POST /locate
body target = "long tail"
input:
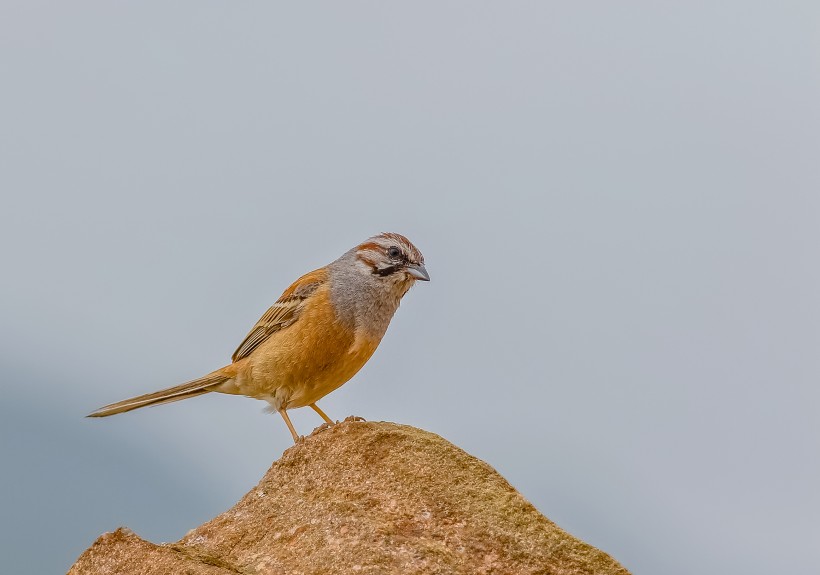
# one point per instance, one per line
(193, 388)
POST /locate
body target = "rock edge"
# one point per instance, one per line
(369, 498)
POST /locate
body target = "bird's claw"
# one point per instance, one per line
(321, 428)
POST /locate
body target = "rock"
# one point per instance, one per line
(369, 498)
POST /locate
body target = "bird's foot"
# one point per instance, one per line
(325, 426)
(354, 418)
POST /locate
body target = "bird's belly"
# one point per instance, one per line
(297, 367)
(317, 383)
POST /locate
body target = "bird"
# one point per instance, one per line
(315, 337)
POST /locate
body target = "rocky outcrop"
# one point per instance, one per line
(369, 498)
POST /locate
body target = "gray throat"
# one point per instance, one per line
(362, 299)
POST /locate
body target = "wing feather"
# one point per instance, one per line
(282, 313)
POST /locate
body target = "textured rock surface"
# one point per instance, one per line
(370, 498)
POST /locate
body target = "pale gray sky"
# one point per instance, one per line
(619, 208)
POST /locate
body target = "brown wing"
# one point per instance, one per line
(281, 314)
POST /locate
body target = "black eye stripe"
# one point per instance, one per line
(383, 272)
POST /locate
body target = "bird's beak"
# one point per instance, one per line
(418, 271)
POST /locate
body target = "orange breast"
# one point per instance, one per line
(307, 360)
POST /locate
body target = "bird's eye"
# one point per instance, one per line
(393, 252)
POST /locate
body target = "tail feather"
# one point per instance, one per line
(183, 391)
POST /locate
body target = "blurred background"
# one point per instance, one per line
(618, 204)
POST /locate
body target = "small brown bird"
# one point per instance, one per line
(317, 335)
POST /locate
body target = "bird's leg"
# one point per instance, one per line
(322, 414)
(284, 415)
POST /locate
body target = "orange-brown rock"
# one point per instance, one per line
(369, 498)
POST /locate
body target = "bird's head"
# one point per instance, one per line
(392, 258)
